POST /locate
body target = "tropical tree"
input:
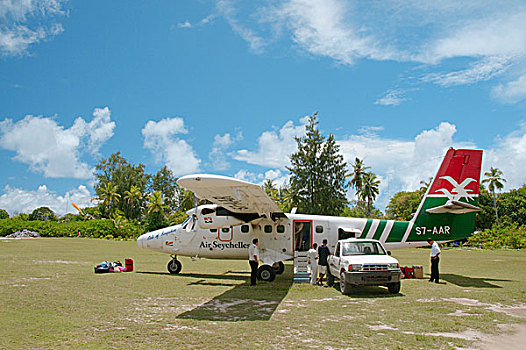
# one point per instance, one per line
(109, 197)
(356, 175)
(271, 190)
(43, 214)
(164, 181)
(317, 173)
(4, 214)
(156, 210)
(123, 175)
(370, 190)
(133, 197)
(495, 181)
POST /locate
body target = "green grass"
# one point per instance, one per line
(51, 299)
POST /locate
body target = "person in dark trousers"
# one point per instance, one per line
(323, 254)
(253, 260)
(435, 252)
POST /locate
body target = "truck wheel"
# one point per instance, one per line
(174, 266)
(394, 288)
(330, 278)
(345, 288)
(266, 273)
(279, 268)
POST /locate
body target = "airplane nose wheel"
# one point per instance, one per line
(266, 273)
(279, 268)
(174, 266)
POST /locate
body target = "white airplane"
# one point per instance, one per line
(243, 211)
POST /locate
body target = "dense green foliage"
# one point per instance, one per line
(43, 214)
(4, 214)
(504, 236)
(101, 228)
(317, 173)
(403, 205)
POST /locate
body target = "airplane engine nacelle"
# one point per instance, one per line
(212, 216)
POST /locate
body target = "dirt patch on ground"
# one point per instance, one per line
(508, 341)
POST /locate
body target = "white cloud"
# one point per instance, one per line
(220, 146)
(402, 164)
(509, 155)
(227, 9)
(187, 24)
(511, 92)
(16, 200)
(52, 149)
(274, 147)
(391, 98)
(481, 70)
(160, 138)
(485, 37)
(327, 28)
(26, 22)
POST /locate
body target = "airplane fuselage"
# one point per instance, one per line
(281, 238)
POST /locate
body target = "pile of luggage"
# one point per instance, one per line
(108, 266)
(415, 271)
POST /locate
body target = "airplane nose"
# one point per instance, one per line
(140, 241)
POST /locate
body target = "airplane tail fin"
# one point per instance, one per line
(447, 211)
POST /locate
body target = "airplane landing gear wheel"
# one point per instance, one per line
(266, 273)
(174, 266)
(279, 268)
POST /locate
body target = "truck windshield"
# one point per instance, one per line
(362, 248)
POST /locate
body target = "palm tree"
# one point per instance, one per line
(357, 175)
(156, 203)
(370, 184)
(186, 200)
(133, 196)
(495, 181)
(109, 196)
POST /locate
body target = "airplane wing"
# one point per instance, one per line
(235, 195)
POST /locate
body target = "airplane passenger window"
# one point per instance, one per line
(280, 228)
(319, 229)
(245, 228)
(213, 230)
(268, 228)
(225, 229)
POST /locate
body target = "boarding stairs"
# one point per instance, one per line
(301, 267)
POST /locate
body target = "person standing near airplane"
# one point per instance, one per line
(253, 260)
(435, 252)
(313, 262)
(323, 254)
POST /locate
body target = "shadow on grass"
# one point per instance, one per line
(226, 276)
(464, 281)
(369, 292)
(243, 302)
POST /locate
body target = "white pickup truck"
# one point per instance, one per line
(360, 262)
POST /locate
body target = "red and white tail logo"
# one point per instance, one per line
(458, 176)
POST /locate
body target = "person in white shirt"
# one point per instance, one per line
(253, 260)
(435, 252)
(312, 254)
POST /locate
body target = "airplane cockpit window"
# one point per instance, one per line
(319, 229)
(280, 228)
(207, 211)
(268, 228)
(245, 228)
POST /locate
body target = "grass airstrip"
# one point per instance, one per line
(50, 298)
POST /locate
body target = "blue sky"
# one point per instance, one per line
(224, 86)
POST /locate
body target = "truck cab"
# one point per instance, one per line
(360, 262)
